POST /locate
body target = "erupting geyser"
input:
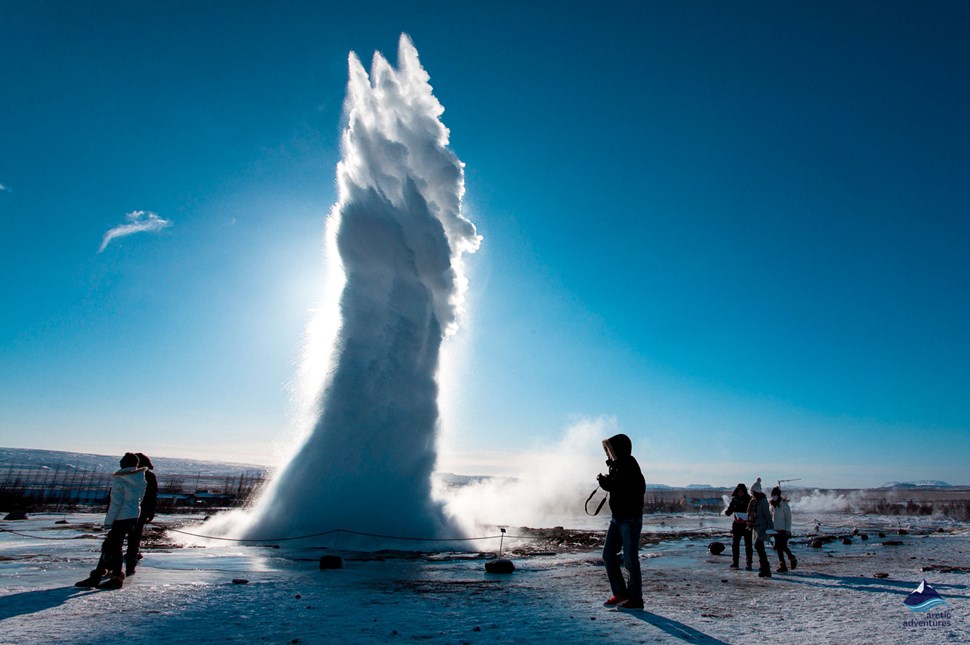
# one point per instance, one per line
(367, 463)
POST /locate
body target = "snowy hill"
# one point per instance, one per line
(926, 483)
(15, 458)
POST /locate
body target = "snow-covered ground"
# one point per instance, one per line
(556, 594)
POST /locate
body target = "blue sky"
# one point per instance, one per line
(738, 232)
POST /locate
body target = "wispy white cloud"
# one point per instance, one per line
(138, 222)
(4, 188)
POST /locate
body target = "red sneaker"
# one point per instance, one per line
(614, 601)
(631, 605)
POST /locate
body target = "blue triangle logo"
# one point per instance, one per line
(923, 598)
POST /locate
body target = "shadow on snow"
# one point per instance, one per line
(676, 629)
(869, 585)
(29, 602)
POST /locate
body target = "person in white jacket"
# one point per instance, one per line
(127, 489)
(781, 515)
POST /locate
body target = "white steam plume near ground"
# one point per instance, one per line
(818, 501)
(366, 464)
(552, 489)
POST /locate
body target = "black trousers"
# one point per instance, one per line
(781, 545)
(134, 542)
(111, 560)
(736, 536)
(763, 565)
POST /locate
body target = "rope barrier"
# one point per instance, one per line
(351, 532)
(43, 537)
(298, 537)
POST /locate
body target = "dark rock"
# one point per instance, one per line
(880, 575)
(902, 532)
(500, 565)
(240, 581)
(816, 543)
(17, 515)
(716, 548)
(864, 536)
(298, 596)
(846, 540)
(892, 543)
(476, 629)
(331, 562)
(61, 522)
(881, 534)
(946, 569)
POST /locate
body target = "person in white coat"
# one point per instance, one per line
(127, 489)
(781, 515)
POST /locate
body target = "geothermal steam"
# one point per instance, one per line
(366, 464)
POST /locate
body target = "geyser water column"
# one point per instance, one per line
(366, 464)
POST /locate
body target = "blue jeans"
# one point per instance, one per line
(624, 534)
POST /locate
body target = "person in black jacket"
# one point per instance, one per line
(739, 528)
(626, 487)
(148, 505)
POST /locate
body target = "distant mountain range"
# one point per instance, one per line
(26, 458)
(925, 483)
(31, 459)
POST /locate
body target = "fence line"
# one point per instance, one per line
(64, 485)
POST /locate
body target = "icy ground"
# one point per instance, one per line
(555, 596)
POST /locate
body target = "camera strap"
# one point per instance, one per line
(598, 508)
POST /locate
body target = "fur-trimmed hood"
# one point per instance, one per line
(127, 489)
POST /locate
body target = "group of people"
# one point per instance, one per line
(757, 517)
(134, 497)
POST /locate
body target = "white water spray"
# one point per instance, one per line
(366, 464)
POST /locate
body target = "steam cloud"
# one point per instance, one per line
(540, 496)
(138, 222)
(366, 464)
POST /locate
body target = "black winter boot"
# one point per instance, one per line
(93, 579)
(116, 581)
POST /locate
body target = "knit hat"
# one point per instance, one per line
(756, 487)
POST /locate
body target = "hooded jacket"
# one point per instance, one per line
(150, 501)
(782, 516)
(740, 500)
(625, 482)
(759, 516)
(127, 489)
